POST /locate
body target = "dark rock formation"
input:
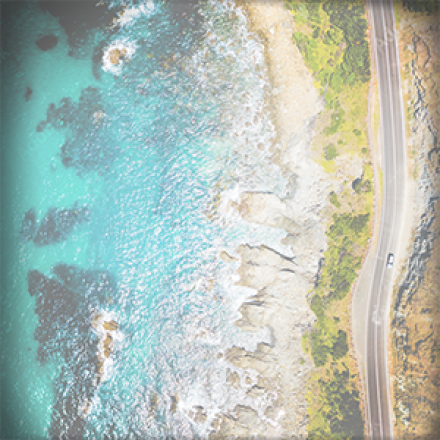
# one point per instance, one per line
(47, 42)
(90, 140)
(97, 59)
(28, 93)
(185, 15)
(59, 223)
(78, 18)
(98, 283)
(64, 305)
(28, 226)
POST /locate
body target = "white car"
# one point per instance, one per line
(390, 260)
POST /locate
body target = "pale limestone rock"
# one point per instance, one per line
(226, 257)
(266, 209)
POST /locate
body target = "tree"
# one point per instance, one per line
(340, 347)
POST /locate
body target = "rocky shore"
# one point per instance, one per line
(415, 315)
(281, 282)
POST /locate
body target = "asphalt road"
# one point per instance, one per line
(379, 411)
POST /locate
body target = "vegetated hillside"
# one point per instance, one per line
(429, 7)
(332, 37)
(416, 304)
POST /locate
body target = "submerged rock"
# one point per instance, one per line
(59, 223)
(97, 284)
(65, 306)
(89, 142)
(77, 18)
(97, 59)
(28, 93)
(47, 42)
(54, 301)
(28, 226)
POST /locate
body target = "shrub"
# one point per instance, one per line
(349, 17)
(319, 351)
(356, 185)
(317, 307)
(316, 32)
(292, 6)
(348, 226)
(330, 152)
(428, 7)
(334, 200)
(340, 347)
(367, 186)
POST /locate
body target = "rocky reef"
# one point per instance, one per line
(416, 323)
(98, 283)
(65, 307)
(28, 94)
(90, 140)
(47, 42)
(58, 224)
(76, 21)
(28, 226)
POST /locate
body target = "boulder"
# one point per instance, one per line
(47, 42)
(266, 209)
(28, 225)
(59, 223)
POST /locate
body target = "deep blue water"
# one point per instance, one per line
(109, 178)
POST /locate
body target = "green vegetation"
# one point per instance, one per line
(337, 119)
(331, 36)
(334, 200)
(339, 413)
(340, 417)
(428, 7)
(330, 152)
(362, 186)
(342, 55)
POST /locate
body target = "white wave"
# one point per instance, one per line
(130, 14)
(125, 47)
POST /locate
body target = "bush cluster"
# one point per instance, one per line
(334, 200)
(327, 342)
(340, 408)
(347, 27)
(428, 7)
(330, 152)
(349, 17)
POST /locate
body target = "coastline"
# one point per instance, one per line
(282, 283)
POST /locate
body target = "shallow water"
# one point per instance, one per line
(118, 167)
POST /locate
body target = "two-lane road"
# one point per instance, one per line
(379, 421)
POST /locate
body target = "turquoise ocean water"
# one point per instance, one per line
(110, 178)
